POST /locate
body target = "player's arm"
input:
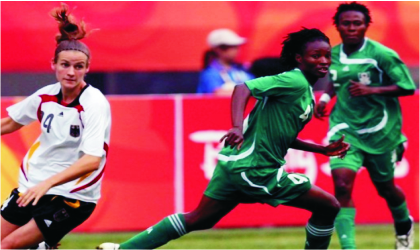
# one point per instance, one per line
(359, 89)
(396, 70)
(338, 148)
(240, 97)
(8, 125)
(321, 106)
(84, 165)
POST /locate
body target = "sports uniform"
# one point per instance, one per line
(372, 124)
(255, 173)
(68, 131)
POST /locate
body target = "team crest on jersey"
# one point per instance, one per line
(75, 130)
(364, 77)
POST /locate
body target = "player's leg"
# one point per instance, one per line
(205, 216)
(25, 236)
(12, 216)
(7, 228)
(324, 208)
(343, 179)
(344, 173)
(214, 204)
(381, 170)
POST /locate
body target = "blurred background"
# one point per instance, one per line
(157, 47)
(146, 57)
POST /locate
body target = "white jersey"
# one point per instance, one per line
(68, 131)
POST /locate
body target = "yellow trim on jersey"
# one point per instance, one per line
(84, 177)
(31, 152)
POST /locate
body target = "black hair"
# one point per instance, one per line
(209, 56)
(266, 66)
(355, 7)
(295, 43)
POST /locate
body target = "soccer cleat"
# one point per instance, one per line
(406, 241)
(108, 246)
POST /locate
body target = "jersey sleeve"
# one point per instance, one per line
(282, 85)
(96, 120)
(396, 69)
(25, 111)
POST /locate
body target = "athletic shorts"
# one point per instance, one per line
(273, 186)
(380, 167)
(54, 215)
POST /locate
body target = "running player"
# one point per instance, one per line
(250, 167)
(60, 177)
(367, 78)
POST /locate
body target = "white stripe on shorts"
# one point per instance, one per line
(254, 185)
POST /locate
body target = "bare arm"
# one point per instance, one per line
(321, 106)
(84, 165)
(359, 89)
(8, 125)
(240, 98)
(338, 148)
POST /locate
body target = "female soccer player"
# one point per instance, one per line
(250, 167)
(60, 177)
(367, 78)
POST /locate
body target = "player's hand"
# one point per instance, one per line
(321, 110)
(34, 194)
(338, 148)
(233, 137)
(359, 89)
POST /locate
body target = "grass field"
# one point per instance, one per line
(367, 237)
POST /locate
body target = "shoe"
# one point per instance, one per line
(406, 241)
(108, 246)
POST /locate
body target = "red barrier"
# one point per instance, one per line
(171, 35)
(163, 150)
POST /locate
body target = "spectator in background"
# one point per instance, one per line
(220, 71)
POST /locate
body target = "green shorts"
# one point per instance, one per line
(273, 186)
(380, 167)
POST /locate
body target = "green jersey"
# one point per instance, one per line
(370, 123)
(284, 106)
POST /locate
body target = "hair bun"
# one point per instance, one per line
(69, 29)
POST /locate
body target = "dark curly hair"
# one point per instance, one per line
(355, 7)
(295, 43)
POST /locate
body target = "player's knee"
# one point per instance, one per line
(342, 190)
(331, 208)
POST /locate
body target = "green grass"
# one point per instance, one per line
(367, 237)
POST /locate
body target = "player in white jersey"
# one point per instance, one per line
(60, 176)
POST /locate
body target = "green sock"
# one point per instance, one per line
(400, 213)
(170, 228)
(318, 237)
(344, 224)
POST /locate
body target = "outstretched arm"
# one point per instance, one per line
(240, 97)
(338, 148)
(8, 125)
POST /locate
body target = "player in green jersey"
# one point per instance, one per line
(367, 79)
(250, 169)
